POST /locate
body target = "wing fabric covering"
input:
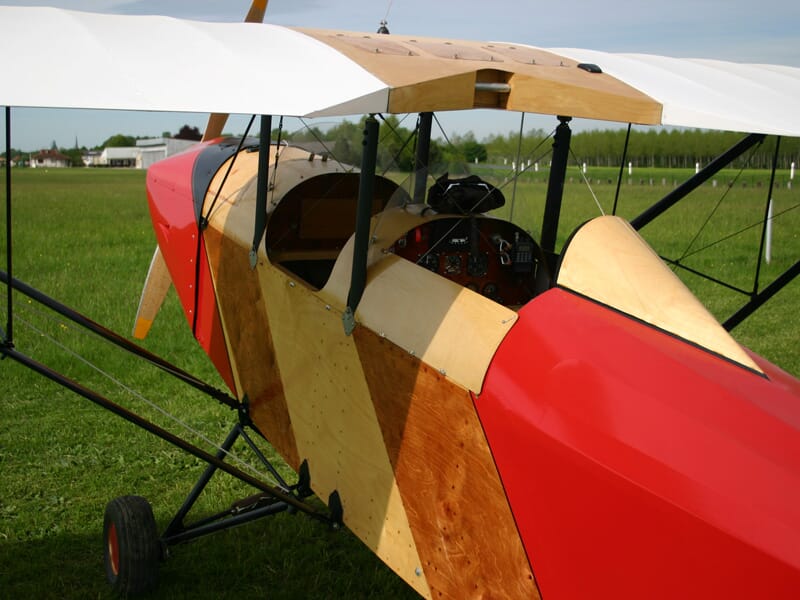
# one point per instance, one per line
(709, 94)
(328, 73)
(167, 60)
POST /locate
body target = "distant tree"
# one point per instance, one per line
(189, 133)
(75, 156)
(474, 151)
(119, 141)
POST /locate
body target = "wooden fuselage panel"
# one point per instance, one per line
(399, 440)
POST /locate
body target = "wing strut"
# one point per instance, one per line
(358, 280)
(697, 180)
(422, 159)
(261, 187)
(8, 335)
(757, 300)
(555, 190)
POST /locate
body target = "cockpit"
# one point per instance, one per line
(313, 222)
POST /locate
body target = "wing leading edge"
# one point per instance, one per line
(149, 63)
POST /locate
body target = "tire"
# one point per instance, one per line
(132, 547)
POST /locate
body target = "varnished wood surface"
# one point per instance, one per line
(155, 290)
(249, 342)
(398, 439)
(429, 74)
(448, 326)
(456, 505)
(608, 261)
(334, 420)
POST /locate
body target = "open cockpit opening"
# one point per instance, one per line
(312, 223)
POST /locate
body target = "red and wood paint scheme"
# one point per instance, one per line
(490, 436)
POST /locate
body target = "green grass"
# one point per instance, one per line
(773, 330)
(85, 238)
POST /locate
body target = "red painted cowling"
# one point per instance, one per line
(639, 466)
(171, 191)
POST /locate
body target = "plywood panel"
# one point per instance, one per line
(439, 74)
(247, 335)
(609, 262)
(462, 523)
(448, 326)
(334, 420)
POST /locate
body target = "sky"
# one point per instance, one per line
(765, 31)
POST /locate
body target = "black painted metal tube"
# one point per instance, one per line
(9, 332)
(261, 185)
(158, 431)
(765, 226)
(696, 180)
(761, 298)
(176, 525)
(366, 188)
(555, 189)
(118, 340)
(621, 169)
(422, 159)
(195, 532)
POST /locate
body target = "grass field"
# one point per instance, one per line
(85, 238)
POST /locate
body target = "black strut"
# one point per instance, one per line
(118, 340)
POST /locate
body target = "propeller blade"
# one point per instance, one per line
(256, 12)
(216, 121)
(155, 290)
(158, 280)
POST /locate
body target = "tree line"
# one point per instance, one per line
(658, 148)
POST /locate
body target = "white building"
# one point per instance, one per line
(49, 159)
(125, 156)
(141, 156)
(154, 149)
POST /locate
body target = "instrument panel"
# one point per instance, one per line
(492, 257)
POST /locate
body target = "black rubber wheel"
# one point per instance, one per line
(132, 547)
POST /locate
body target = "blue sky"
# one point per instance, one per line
(765, 31)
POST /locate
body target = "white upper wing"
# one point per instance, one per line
(709, 94)
(165, 64)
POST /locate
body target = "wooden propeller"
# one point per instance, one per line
(155, 290)
(158, 279)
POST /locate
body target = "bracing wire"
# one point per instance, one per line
(411, 136)
(519, 153)
(588, 184)
(131, 391)
(324, 145)
(687, 252)
(733, 234)
(388, 8)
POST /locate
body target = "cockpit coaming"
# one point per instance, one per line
(313, 221)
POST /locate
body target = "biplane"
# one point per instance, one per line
(491, 415)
